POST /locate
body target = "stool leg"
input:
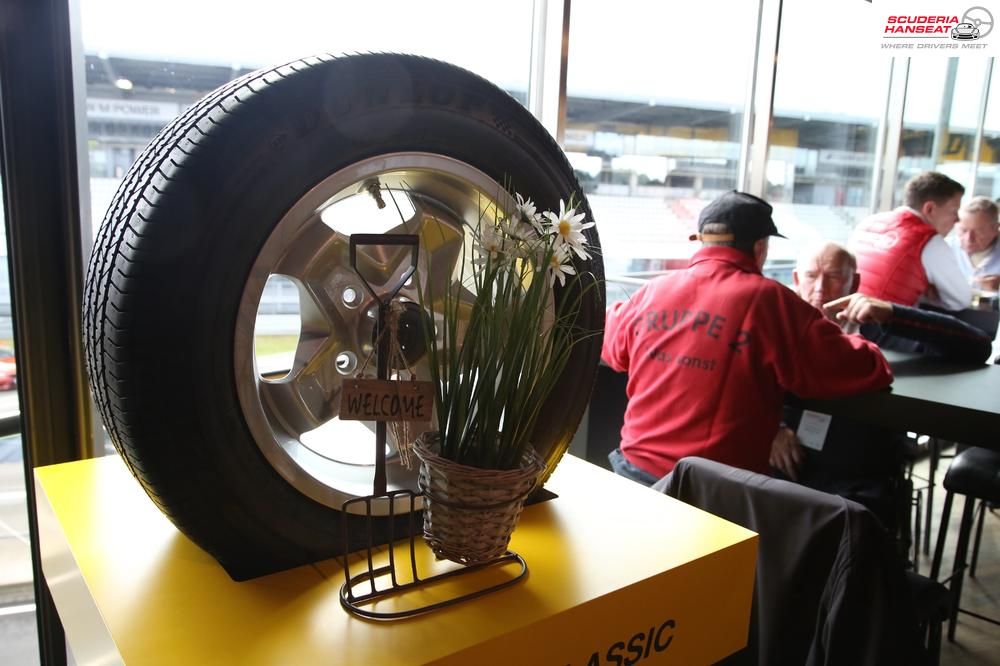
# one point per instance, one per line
(918, 502)
(958, 570)
(942, 532)
(934, 641)
(934, 447)
(979, 537)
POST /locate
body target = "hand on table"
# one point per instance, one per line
(859, 309)
(786, 453)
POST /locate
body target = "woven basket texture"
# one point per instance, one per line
(470, 513)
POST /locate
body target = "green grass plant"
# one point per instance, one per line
(503, 333)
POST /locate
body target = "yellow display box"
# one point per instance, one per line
(619, 574)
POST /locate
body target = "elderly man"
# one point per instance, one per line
(828, 279)
(860, 461)
(902, 255)
(975, 245)
(711, 350)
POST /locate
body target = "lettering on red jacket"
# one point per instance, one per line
(700, 322)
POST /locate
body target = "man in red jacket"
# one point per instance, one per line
(711, 350)
(902, 255)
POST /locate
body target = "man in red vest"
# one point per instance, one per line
(902, 255)
(711, 350)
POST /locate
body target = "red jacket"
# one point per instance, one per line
(889, 248)
(710, 352)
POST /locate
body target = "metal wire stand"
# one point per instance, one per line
(357, 602)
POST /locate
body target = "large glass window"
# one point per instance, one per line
(654, 112)
(988, 172)
(18, 631)
(941, 118)
(146, 62)
(827, 112)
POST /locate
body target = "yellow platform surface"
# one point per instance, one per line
(618, 574)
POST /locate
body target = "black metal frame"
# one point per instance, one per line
(358, 603)
(382, 348)
(41, 179)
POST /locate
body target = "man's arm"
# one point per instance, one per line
(818, 360)
(615, 349)
(892, 326)
(938, 334)
(945, 276)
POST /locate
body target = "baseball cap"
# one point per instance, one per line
(747, 217)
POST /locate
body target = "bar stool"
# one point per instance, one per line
(975, 473)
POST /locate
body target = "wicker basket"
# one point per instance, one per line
(470, 513)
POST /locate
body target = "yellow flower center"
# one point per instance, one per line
(563, 228)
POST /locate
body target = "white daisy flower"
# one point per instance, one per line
(559, 266)
(526, 207)
(491, 243)
(529, 213)
(518, 229)
(568, 229)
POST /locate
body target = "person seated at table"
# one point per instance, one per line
(856, 460)
(711, 350)
(975, 243)
(902, 255)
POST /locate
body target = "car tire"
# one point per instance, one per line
(173, 254)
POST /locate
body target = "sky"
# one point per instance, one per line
(660, 52)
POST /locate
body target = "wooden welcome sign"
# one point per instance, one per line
(386, 400)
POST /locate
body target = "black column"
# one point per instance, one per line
(41, 200)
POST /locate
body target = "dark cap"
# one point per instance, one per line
(747, 217)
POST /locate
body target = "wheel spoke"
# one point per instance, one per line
(335, 308)
(298, 404)
(441, 248)
(382, 266)
(321, 366)
(314, 249)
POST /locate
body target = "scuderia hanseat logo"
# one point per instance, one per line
(944, 30)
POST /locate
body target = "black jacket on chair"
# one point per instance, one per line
(829, 587)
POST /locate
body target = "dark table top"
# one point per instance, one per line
(960, 403)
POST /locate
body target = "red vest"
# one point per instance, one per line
(888, 247)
